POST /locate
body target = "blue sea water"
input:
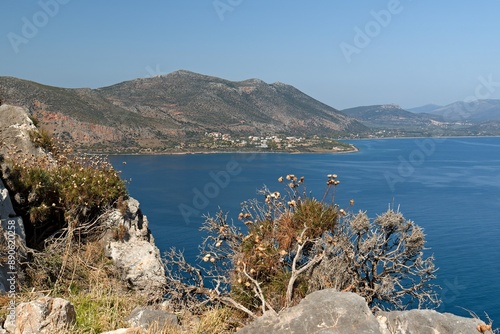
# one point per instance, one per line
(449, 186)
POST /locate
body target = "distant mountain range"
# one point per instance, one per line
(475, 111)
(481, 117)
(169, 110)
(428, 108)
(389, 116)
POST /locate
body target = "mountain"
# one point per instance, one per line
(476, 111)
(481, 118)
(428, 108)
(389, 116)
(169, 110)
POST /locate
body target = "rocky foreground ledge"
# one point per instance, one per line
(321, 312)
(138, 261)
(331, 312)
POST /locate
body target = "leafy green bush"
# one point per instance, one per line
(62, 189)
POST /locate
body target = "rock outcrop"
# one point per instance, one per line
(15, 127)
(331, 312)
(325, 311)
(131, 247)
(15, 131)
(128, 242)
(43, 316)
(146, 317)
(425, 321)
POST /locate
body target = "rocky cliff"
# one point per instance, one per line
(134, 254)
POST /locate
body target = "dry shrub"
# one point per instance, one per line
(83, 274)
(294, 244)
(120, 233)
(71, 266)
(42, 138)
(382, 260)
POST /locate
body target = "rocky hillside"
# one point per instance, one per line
(389, 115)
(118, 256)
(167, 111)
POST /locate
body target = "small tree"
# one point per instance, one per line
(293, 245)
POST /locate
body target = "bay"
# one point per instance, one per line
(448, 186)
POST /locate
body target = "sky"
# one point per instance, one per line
(343, 53)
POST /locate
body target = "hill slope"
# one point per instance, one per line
(163, 111)
(475, 111)
(389, 116)
(482, 118)
(428, 108)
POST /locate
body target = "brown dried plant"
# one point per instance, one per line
(483, 327)
(291, 244)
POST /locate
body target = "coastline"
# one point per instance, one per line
(353, 150)
(412, 137)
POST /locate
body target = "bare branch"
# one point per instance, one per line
(296, 272)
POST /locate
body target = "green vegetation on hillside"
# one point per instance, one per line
(62, 190)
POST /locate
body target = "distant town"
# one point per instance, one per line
(272, 142)
(218, 141)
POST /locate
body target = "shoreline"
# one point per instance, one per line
(354, 150)
(412, 137)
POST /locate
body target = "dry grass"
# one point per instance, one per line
(103, 309)
(102, 302)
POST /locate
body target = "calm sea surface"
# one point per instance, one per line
(450, 187)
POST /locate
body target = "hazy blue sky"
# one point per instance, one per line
(343, 53)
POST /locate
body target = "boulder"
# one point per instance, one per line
(331, 312)
(425, 322)
(131, 247)
(43, 316)
(146, 317)
(326, 311)
(15, 131)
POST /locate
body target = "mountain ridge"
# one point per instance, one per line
(475, 111)
(175, 109)
(389, 115)
(477, 118)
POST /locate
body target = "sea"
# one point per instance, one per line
(448, 186)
